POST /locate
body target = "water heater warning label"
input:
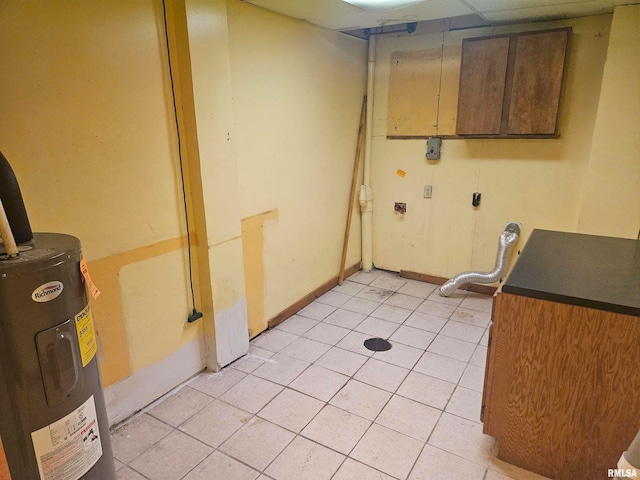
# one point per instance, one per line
(68, 448)
(86, 335)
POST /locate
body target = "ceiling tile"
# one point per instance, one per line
(500, 5)
(339, 15)
(307, 8)
(557, 10)
(431, 9)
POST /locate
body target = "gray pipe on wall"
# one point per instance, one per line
(507, 240)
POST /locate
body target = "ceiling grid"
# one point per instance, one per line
(340, 15)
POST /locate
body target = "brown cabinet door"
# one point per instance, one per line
(537, 83)
(482, 85)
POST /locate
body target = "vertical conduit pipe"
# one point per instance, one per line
(366, 195)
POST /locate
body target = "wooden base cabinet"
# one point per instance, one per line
(562, 386)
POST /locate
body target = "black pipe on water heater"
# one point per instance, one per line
(13, 204)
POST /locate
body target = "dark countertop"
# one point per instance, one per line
(578, 269)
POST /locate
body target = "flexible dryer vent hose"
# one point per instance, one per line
(507, 240)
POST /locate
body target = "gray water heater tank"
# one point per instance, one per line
(53, 421)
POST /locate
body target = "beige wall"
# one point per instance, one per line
(211, 129)
(87, 116)
(297, 93)
(536, 182)
(611, 190)
(276, 110)
(87, 123)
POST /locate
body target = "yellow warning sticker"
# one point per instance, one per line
(84, 269)
(86, 335)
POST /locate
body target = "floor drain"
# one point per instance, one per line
(377, 344)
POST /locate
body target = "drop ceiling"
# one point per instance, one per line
(339, 15)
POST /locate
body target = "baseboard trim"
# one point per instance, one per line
(470, 287)
(310, 297)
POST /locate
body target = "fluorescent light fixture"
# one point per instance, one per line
(382, 4)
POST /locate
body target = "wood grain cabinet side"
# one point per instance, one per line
(562, 388)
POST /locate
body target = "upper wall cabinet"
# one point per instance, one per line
(511, 85)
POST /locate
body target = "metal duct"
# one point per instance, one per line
(12, 201)
(507, 240)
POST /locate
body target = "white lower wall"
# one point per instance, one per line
(135, 392)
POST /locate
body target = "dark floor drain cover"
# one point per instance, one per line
(377, 344)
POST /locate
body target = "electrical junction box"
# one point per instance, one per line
(433, 148)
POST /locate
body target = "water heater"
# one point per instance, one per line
(53, 421)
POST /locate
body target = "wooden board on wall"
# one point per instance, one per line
(537, 82)
(414, 83)
(448, 109)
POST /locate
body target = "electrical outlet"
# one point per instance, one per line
(428, 190)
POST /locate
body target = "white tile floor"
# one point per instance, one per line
(310, 402)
